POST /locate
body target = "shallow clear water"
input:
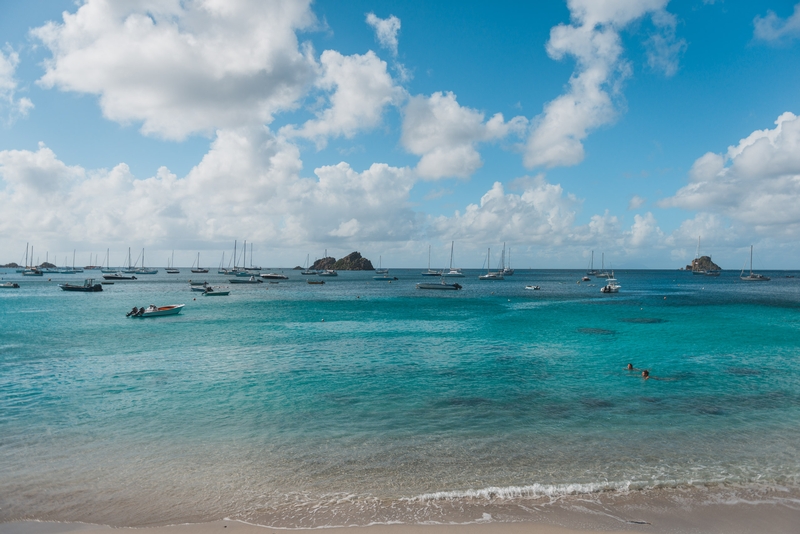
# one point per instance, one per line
(359, 401)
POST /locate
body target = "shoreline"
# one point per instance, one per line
(637, 513)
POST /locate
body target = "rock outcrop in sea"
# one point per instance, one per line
(352, 262)
(703, 263)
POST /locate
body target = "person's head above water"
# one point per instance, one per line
(645, 374)
(630, 367)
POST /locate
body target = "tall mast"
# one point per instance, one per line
(451, 254)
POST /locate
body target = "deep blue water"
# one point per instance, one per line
(359, 401)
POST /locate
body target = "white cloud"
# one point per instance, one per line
(636, 202)
(14, 107)
(361, 88)
(756, 182)
(445, 134)
(664, 49)
(542, 214)
(593, 40)
(772, 28)
(248, 181)
(182, 67)
(644, 232)
(385, 31)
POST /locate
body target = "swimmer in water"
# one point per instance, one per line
(645, 374)
(630, 367)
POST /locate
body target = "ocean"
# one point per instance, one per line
(359, 402)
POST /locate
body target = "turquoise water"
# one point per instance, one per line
(357, 402)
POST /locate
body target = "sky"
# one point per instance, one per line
(631, 128)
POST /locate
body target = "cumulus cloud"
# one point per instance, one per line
(593, 40)
(360, 88)
(756, 182)
(42, 195)
(11, 106)
(445, 134)
(644, 232)
(543, 213)
(773, 29)
(385, 31)
(182, 67)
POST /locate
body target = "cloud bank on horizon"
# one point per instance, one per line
(241, 74)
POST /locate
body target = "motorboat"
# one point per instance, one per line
(211, 292)
(201, 287)
(273, 276)
(611, 285)
(316, 282)
(328, 272)
(118, 276)
(155, 311)
(251, 280)
(8, 285)
(442, 285)
(384, 278)
(533, 288)
(88, 286)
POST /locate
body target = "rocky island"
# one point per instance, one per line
(352, 262)
(703, 263)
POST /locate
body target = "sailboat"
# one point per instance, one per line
(171, 267)
(603, 273)
(430, 272)
(327, 272)
(145, 270)
(30, 270)
(197, 268)
(308, 271)
(108, 268)
(507, 270)
(453, 273)
(489, 274)
(752, 277)
(696, 263)
(591, 271)
(222, 269)
(380, 269)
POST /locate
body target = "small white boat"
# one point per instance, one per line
(156, 311)
(7, 285)
(328, 272)
(273, 276)
(384, 278)
(533, 288)
(611, 285)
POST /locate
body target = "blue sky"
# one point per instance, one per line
(624, 127)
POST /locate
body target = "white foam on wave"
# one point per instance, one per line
(530, 491)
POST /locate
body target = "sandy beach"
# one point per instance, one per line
(632, 516)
